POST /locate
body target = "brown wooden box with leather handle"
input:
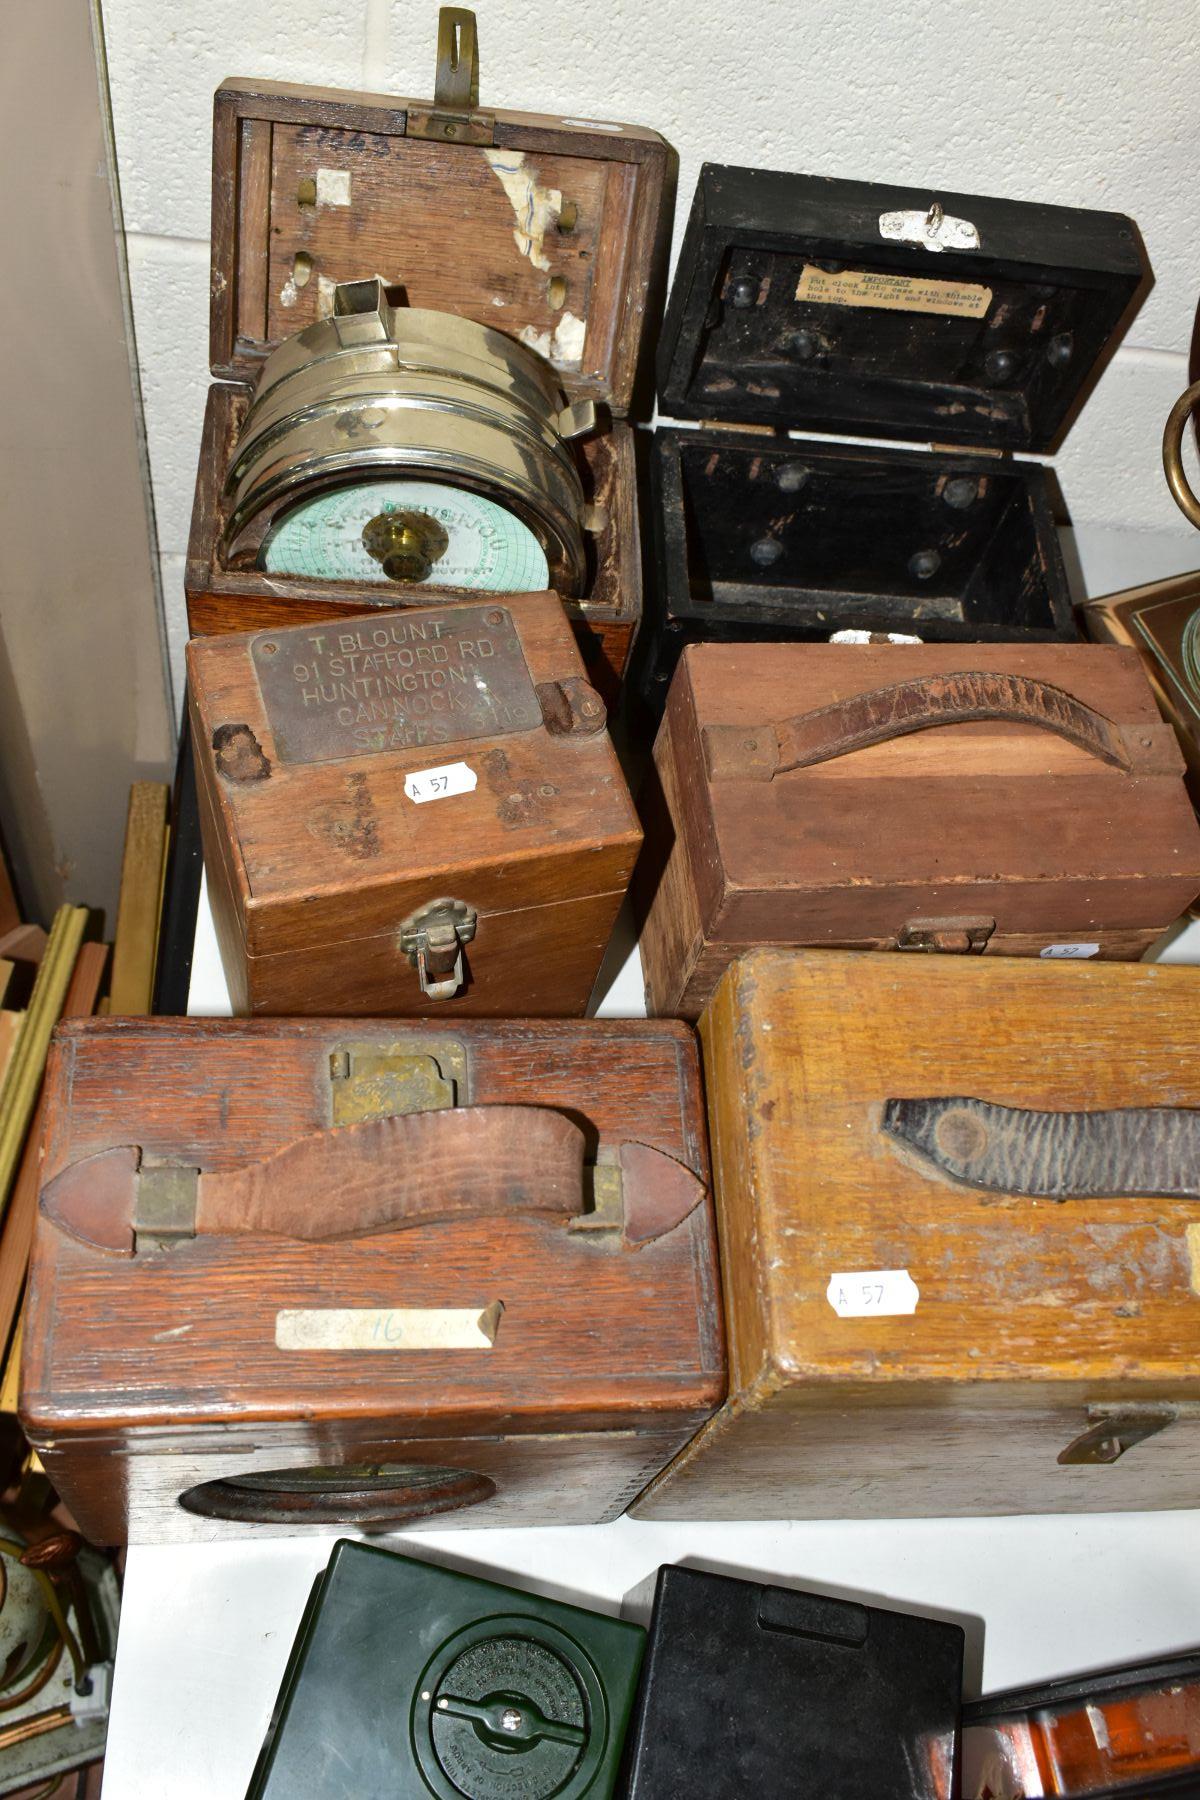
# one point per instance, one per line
(959, 1206)
(344, 1272)
(971, 799)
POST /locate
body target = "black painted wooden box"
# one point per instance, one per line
(974, 326)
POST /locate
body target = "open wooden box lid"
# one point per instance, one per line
(549, 229)
(871, 311)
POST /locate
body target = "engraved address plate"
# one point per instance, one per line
(393, 681)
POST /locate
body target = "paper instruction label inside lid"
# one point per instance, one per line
(393, 681)
(893, 293)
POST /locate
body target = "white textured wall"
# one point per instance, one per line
(1078, 102)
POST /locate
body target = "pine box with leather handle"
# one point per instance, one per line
(303, 1272)
(980, 799)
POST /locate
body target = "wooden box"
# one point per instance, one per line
(1003, 800)
(1162, 622)
(312, 187)
(845, 308)
(960, 1219)
(440, 771)
(484, 1352)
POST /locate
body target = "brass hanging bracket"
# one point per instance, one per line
(454, 116)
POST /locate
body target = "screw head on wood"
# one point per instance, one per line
(961, 492)
(924, 564)
(792, 477)
(765, 552)
(1060, 350)
(999, 366)
(743, 292)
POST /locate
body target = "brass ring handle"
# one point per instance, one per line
(1172, 454)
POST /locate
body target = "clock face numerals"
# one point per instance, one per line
(414, 531)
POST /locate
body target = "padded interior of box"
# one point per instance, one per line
(794, 528)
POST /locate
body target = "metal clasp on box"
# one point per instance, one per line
(1111, 1434)
(966, 936)
(934, 229)
(432, 938)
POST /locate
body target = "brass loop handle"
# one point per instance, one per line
(1172, 453)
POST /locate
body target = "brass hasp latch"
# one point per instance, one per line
(432, 938)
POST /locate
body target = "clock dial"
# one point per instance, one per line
(415, 531)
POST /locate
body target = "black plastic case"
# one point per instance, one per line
(792, 311)
(752, 1692)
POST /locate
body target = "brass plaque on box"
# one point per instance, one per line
(394, 681)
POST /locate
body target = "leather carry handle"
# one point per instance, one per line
(760, 752)
(381, 1175)
(1127, 1151)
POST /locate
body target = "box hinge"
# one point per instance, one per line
(750, 427)
(454, 116)
(966, 936)
(990, 450)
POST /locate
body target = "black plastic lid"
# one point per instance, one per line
(794, 306)
(750, 1690)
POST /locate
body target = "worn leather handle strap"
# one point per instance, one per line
(412, 1169)
(381, 1175)
(759, 753)
(1134, 1151)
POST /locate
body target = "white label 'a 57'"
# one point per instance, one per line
(441, 783)
(867, 1293)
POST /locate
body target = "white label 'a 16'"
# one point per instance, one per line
(440, 784)
(867, 1293)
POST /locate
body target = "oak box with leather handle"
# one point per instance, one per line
(959, 1205)
(338, 1272)
(971, 799)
